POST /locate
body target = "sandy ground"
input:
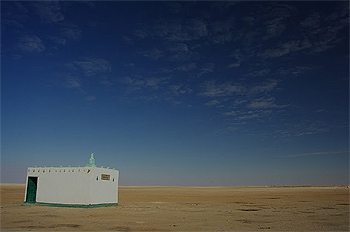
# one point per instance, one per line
(189, 209)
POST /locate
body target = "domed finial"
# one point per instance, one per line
(92, 162)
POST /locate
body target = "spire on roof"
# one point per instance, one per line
(92, 162)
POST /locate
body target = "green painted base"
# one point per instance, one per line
(72, 205)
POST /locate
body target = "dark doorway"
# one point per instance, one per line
(31, 189)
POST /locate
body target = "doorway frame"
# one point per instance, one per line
(32, 182)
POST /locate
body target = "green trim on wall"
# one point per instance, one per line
(72, 205)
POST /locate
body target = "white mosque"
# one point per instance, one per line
(87, 186)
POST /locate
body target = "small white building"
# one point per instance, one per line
(87, 186)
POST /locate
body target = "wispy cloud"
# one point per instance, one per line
(240, 102)
(261, 72)
(57, 40)
(241, 116)
(139, 82)
(260, 34)
(318, 33)
(49, 11)
(312, 21)
(76, 84)
(179, 31)
(187, 67)
(80, 74)
(12, 23)
(234, 65)
(16, 12)
(287, 48)
(180, 89)
(91, 66)
(274, 27)
(229, 89)
(213, 102)
(206, 68)
(179, 51)
(48, 14)
(302, 128)
(153, 53)
(275, 18)
(30, 43)
(90, 98)
(72, 82)
(264, 103)
(214, 89)
(321, 153)
(293, 71)
(235, 59)
(267, 86)
(180, 48)
(70, 31)
(222, 32)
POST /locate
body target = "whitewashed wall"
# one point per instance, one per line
(104, 191)
(74, 185)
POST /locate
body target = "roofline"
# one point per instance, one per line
(71, 167)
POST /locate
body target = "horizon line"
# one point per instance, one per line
(214, 186)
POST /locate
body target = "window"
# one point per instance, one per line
(105, 177)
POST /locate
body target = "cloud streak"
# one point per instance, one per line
(264, 103)
(91, 66)
(316, 154)
(138, 82)
(31, 43)
(49, 12)
(214, 89)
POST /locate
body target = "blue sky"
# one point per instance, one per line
(178, 93)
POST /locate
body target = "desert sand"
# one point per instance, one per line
(189, 209)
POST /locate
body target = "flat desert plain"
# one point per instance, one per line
(189, 209)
